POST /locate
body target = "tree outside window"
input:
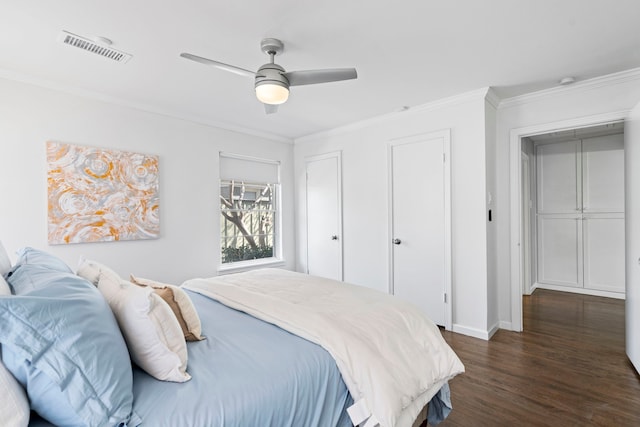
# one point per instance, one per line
(247, 219)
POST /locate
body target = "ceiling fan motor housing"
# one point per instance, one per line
(271, 74)
(272, 87)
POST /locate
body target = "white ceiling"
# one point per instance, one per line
(407, 52)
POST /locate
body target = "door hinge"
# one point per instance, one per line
(444, 159)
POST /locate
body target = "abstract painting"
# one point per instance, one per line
(101, 195)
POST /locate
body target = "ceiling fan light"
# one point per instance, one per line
(273, 94)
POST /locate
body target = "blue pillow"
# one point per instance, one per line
(66, 333)
(44, 395)
(30, 255)
(26, 278)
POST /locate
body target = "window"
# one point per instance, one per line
(249, 213)
(247, 221)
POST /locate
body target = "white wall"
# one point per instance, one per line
(188, 152)
(365, 206)
(597, 97)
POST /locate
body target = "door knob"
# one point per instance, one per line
(397, 241)
(334, 237)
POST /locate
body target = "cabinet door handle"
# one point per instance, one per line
(334, 237)
(397, 241)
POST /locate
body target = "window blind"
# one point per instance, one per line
(249, 169)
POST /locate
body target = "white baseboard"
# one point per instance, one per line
(472, 332)
(494, 329)
(531, 289)
(505, 325)
(478, 333)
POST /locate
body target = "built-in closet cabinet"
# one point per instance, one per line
(580, 213)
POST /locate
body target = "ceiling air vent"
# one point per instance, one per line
(99, 46)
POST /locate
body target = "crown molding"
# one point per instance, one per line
(107, 99)
(593, 83)
(492, 98)
(462, 98)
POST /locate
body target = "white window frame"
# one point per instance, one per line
(277, 259)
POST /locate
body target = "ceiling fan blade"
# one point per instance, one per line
(217, 64)
(309, 77)
(270, 108)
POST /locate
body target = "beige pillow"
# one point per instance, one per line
(181, 305)
(149, 327)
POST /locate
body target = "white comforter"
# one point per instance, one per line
(392, 358)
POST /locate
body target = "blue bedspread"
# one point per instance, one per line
(246, 373)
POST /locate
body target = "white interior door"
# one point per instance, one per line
(559, 209)
(420, 223)
(632, 241)
(558, 177)
(324, 216)
(603, 207)
(560, 249)
(603, 173)
(604, 252)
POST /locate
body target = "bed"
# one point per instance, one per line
(257, 366)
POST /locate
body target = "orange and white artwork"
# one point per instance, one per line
(101, 195)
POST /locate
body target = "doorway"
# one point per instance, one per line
(579, 210)
(520, 142)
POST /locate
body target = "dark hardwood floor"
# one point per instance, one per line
(568, 368)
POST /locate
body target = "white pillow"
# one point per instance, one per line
(5, 263)
(14, 405)
(180, 304)
(4, 287)
(149, 327)
(90, 270)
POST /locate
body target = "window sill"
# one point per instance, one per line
(241, 266)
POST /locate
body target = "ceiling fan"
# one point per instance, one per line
(272, 82)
